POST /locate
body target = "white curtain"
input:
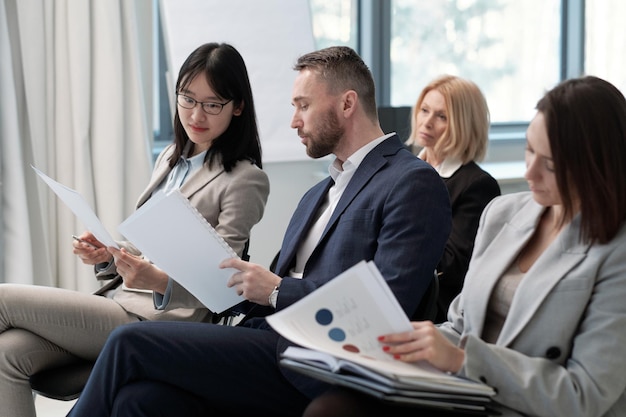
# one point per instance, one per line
(74, 93)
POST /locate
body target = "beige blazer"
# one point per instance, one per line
(232, 202)
(561, 350)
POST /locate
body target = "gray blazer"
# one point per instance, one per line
(561, 350)
(232, 202)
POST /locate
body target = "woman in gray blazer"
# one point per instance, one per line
(215, 161)
(542, 315)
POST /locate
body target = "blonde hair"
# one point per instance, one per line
(467, 134)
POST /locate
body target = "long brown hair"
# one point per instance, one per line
(586, 125)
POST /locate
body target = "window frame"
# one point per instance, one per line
(507, 140)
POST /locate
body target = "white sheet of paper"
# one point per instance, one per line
(81, 209)
(345, 315)
(170, 232)
(344, 318)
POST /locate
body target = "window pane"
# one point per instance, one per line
(334, 22)
(510, 48)
(605, 41)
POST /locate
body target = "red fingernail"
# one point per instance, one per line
(396, 356)
(386, 348)
(381, 338)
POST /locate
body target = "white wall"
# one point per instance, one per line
(288, 183)
(270, 35)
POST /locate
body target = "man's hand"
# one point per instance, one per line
(252, 281)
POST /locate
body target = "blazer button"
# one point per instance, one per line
(553, 352)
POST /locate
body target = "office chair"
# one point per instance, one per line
(63, 383)
(427, 308)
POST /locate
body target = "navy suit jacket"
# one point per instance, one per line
(395, 211)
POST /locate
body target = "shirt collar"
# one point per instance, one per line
(354, 160)
(196, 161)
(447, 167)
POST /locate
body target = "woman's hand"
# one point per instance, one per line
(424, 343)
(90, 250)
(139, 273)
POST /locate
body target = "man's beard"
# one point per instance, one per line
(327, 137)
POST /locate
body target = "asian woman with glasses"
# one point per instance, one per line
(215, 161)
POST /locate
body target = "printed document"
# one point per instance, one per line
(172, 234)
(337, 327)
(81, 209)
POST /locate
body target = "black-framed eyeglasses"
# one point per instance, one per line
(209, 107)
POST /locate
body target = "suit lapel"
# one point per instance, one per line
(557, 261)
(191, 185)
(372, 163)
(201, 178)
(495, 260)
(300, 224)
(159, 174)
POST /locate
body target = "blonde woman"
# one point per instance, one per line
(450, 125)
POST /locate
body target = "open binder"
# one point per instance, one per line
(337, 327)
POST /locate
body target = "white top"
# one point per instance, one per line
(447, 167)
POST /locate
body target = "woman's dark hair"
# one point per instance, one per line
(586, 125)
(226, 74)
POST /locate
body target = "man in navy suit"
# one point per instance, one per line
(380, 203)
